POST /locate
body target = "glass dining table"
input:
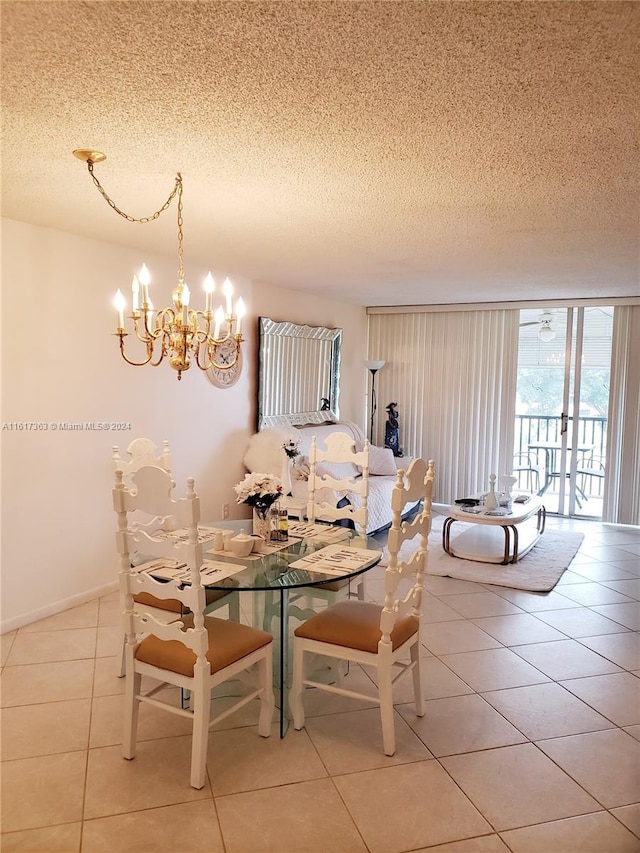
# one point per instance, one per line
(291, 568)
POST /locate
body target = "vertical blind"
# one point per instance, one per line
(301, 390)
(622, 483)
(453, 377)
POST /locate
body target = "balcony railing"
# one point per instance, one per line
(538, 429)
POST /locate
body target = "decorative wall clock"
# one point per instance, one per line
(225, 378)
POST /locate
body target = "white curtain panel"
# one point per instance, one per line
(453, 376)
(622, 483)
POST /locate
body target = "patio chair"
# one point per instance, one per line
(528, 470)
(589, 469)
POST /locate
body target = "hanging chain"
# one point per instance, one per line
(177, 189)
(124, 215)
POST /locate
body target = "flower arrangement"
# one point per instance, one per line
(258, 491)
(292, 447)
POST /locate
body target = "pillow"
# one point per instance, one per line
(382, 462)
(337, 470)
(265, 453)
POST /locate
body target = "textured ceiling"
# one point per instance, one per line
(380, 152)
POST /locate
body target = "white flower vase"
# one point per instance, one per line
(285, 476)
(261, 525)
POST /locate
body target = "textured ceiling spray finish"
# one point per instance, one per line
(378, 152)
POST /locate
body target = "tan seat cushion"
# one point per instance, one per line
(356, 625)
(212, 595)
(228, 642)
(172, 604)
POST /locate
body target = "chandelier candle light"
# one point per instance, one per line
(180, 331)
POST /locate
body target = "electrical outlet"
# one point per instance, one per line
(225, 510)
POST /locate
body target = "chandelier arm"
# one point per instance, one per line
(205, 316)
(196, 355)
(165, 319)
(213, 363)
(200, 335)
(228, 336)
(199, 338)
(160, 357)
(148, 337)
(130, 361)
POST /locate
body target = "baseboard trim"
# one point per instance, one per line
(57, 607)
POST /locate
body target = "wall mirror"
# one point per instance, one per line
(298, 374)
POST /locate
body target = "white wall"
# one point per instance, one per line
(57, 522)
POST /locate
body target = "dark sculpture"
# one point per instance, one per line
(325, 404)
(391, 431)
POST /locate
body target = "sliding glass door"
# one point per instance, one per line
(564, 357)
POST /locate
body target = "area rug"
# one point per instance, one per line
(538, 571)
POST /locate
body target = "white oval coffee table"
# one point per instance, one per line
(484, 543)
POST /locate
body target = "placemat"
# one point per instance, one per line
(211, 571)
(336, 559)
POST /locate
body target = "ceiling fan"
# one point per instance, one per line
(546, 332)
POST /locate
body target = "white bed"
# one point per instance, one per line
(265, 454)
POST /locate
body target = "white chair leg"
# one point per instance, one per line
(385, 692)
(267, 699)
(417, 679)
(270, 610)
(335, 667)
(122, 657)
(295, 694)
(131, 708)
(201, 698)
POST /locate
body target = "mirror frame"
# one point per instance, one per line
(268, 329)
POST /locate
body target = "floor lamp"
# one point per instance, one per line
(374, 367)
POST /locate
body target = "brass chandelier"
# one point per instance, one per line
(179, 331)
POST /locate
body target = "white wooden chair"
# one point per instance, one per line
(334, 471)
(142, 453)
(372, 634)
(193, 653)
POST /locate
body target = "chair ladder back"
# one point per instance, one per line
(179, 651)
(340, 450)
(142, 452)
(418, 482)
(154, 493)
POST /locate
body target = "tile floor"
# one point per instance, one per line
(530, 742)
